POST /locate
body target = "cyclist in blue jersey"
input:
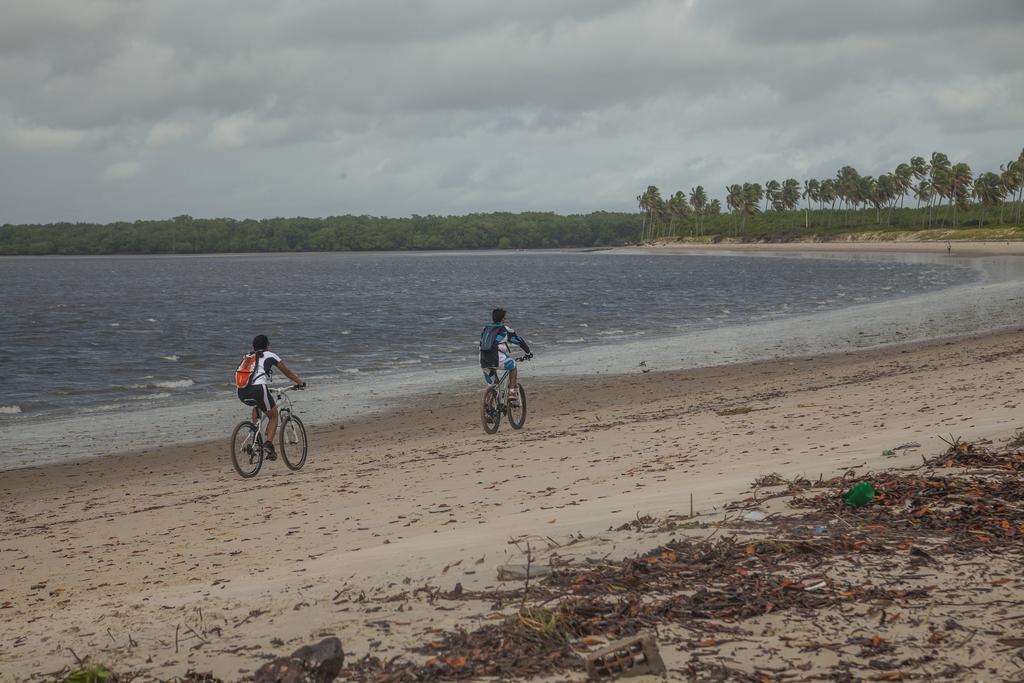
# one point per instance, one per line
(496, 352)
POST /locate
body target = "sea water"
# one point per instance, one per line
(121, 353)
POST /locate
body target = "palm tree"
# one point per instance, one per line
(902, 178)
(960, 179)
(661, 216)
(771, 192)
(734, 200)
(937, 175)
(714, 207)
(751, 200)
(919, 167)
(789, 197)
(677, 209)
(827, 195)
(848, 186)
(989, 190)
(1011, 179)
(699, 202)
(1019, 165)
(641, 200)
(649, 203)
(811, 188)
(923, 193)
(883, 194)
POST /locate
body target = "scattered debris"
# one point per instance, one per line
(919, 520)
(521, 572)
(859, 495)
(318, 663)
(628, 657)
(773, 479)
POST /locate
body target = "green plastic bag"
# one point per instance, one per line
(860, 495)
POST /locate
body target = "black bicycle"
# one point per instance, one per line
(495, 404)
(247, 452)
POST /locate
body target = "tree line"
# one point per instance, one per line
(947, 195)
(943, 191)
(187, 235)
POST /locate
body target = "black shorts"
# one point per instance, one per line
(257, 395)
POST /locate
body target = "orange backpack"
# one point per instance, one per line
(246, 370)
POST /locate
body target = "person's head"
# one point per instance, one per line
(260, 343)
(498, 315)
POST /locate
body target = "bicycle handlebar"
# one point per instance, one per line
(294, 387)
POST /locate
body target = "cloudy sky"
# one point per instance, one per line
(126, 109)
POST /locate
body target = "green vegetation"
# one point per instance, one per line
(187, 235)
(950, 204)
(93, 674)
(948, 197)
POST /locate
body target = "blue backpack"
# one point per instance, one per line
(489, 336)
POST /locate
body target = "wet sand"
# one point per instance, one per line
(166, 561)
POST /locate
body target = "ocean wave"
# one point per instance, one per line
(609, 333)
(170, 357)
(150, 320)
(115, 324)
(351, 371)
(346, 331)
(576, 340)
(165, 384)
(10, 410)
(174, 384)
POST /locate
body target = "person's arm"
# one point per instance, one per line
(289, 374)
(518, 341)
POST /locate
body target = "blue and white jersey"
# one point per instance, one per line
(496, 342)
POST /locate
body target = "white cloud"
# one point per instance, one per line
(167, 133)
(47, 138)
(122, 170)
(248, 128)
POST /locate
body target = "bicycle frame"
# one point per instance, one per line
(502, 385)
(284, 409)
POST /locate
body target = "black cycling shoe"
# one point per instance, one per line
(268, 451)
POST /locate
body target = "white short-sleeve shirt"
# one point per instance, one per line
(268, 360)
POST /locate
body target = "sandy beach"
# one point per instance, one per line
(164, 562)
(866, 244)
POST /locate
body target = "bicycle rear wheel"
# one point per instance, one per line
(246, 449)
(517, 411)
(489, 413)
(293, 443)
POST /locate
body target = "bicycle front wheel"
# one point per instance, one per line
(293, 443)
(517, 410)
(490, 415)
(246, 449)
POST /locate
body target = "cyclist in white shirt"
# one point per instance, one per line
(257, 395)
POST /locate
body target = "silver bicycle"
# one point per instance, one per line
(495, 403)
(247, 452)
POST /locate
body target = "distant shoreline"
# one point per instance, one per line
(1013, 247)
(956, 247)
